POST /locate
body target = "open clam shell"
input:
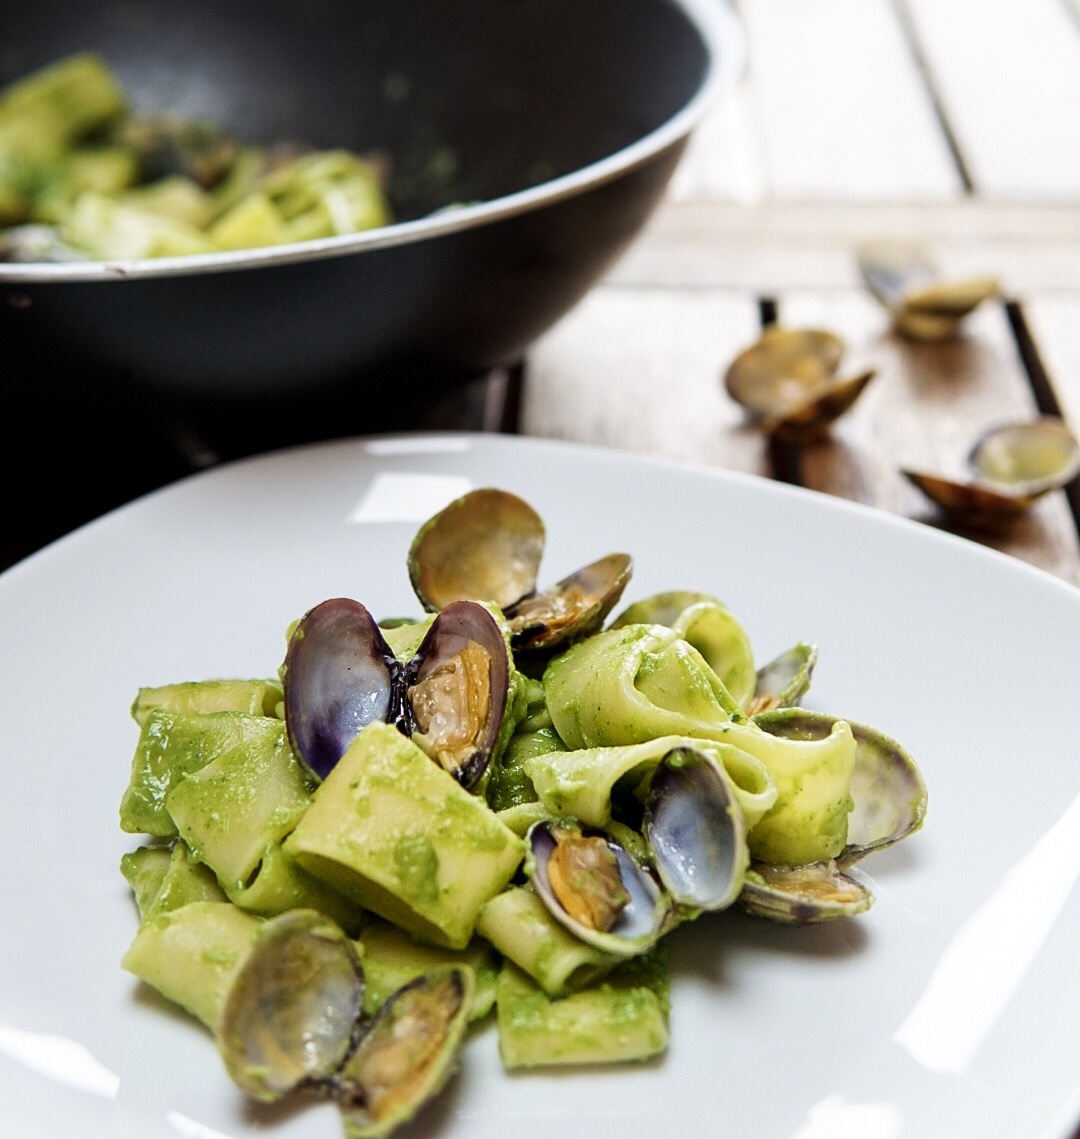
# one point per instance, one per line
(487, 546)
(484, 546)
(595, 888)
(575, 607)
(784, 680)
(1028, 459)
(339, 675)
(696, 831)
(406, 1053)
(289, 1019)
(787, 381)
(923, 304)
(803, 895)
(455, 690)
(1013, 465)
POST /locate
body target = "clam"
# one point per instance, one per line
(450, 697)
(887, 787)
(487, 546)
(574, 607)
(289, 1019)
(1012, 465)
(406, 1053)
(803, 895)
(923, 305)
(455, 690)
(787, 381)
(696, 831)
(889, 803)
(1027, 458)
(784, 680)
(595, 888)
(293, 1019)
(339, 675)
(484, 546)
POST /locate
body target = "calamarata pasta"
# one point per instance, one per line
(497, 812)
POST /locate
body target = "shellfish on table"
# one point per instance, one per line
(923, 303)
(1012, 465)
(788, 382)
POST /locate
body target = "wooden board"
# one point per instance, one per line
(1008, 76)
(844, 113)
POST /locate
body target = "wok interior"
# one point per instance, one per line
(470, 99)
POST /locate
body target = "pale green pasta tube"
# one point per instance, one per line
(166, 878)
(633, 684)
(171, 746)
(191, 954)
(710, 626)
(808, 822)
(520, 927)
(244, 800)
(580, 783)
(397, 833)
(623, 1018)
(280, 884)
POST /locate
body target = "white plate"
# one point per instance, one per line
(950, 1010)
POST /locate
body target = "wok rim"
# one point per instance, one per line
(721, 30)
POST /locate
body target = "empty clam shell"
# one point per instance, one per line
(696, 831)
(786, 380)
(1027, 458)
(923, 304)
(1013, 465)
(784, 680)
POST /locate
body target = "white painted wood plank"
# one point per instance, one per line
(1008, 73)
(845, 112)
(724, 160)
(808, 246)
(640, 370)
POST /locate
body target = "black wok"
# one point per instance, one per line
(561, 121)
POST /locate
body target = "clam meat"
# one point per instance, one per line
(406, 1053)
(593, 886)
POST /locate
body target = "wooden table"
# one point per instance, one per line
(952, 122)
